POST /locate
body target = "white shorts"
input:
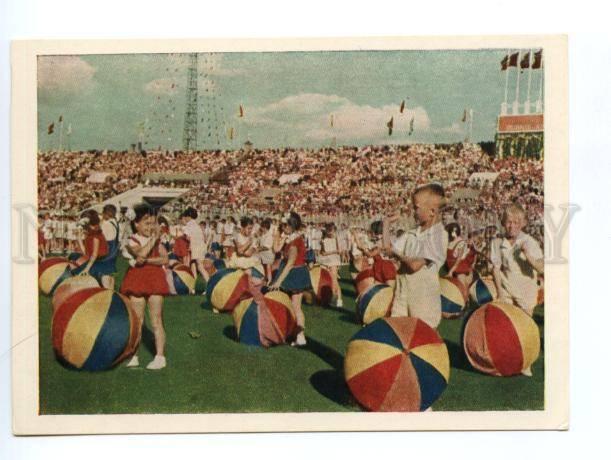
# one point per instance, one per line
(520, 291)
(418, 295)
(332, 260)
(267, 257)
(198, 252)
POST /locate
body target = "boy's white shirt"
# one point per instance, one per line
(518, 276)
(108, 229)
(195, 233)
(430, 244)
(508, 258)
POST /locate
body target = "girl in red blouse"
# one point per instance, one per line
(460, 257)
(293, 275)
(94, 247)
(145, 280)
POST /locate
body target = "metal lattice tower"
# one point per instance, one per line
(189, 135)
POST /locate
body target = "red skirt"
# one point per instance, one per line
(145, 281)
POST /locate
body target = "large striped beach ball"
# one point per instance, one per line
(71, 286)
(226, 288)
(270, 322)
(52, 272)
(482, 291)
(322, 285)
(397, 365)
(374, 303)
(95, 329)
(364, 280)
(183, 279)
(453, 297)
(500, 339)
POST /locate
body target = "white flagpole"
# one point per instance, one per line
(539, 107)
(504, 104)
(516, 104)
(530, 71)
(61, 133)
(470, 125)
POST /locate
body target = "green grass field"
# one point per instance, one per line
(216, 374)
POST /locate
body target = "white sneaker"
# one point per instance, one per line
(300, 340)
(430, 409)
(134, 362)
(157, 363)
(527, 372)
(215, 311)
(339, 303)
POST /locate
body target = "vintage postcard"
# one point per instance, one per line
(290, 235)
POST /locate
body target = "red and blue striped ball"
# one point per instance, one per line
(374, 303)
(397, 365)
(226, 288)
(70, 286)
(270, 322)
(453, 297)
(183, 279)
(52, 272)
(482, 291)
(501, 339)
(95, 329)
(322, 285)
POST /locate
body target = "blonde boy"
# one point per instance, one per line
(421, 253)
(517, 259)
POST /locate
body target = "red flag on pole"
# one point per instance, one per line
(389, 125)
(525, 62)
(61, 118)
(513, 60)
(50, 128)
(402, 108)
(241, 111)
(538, 59)
(464, 116)
(505, 62)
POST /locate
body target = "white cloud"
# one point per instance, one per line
(69, 74)
(161, 86)
(308, 116)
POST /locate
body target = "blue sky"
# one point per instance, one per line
(288, 97)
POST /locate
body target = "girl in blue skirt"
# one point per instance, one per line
(293, 275)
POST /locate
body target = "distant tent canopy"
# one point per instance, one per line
(480, 178)
(176, 177)
(99, 177)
